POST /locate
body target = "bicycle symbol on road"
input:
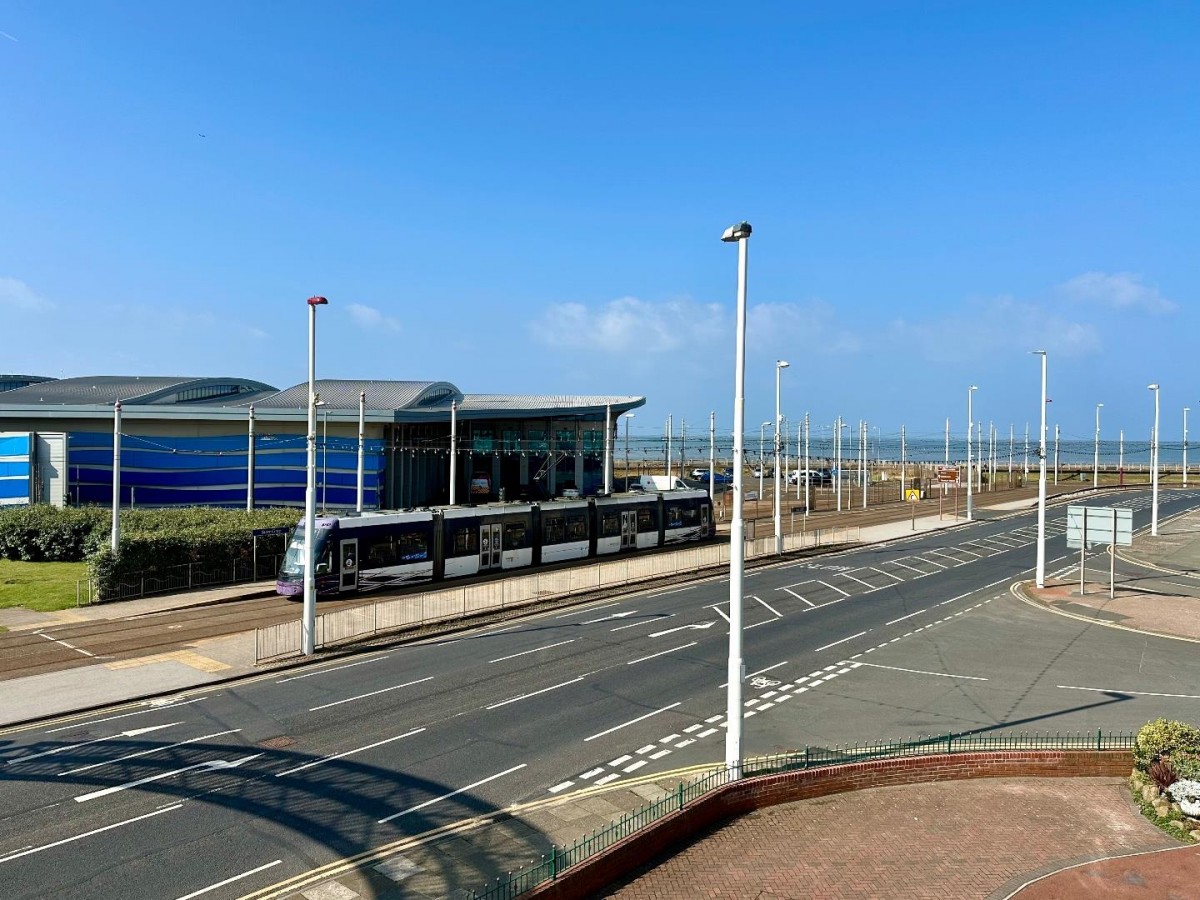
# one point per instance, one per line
(761, 682)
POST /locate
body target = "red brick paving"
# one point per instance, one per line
(982, 838)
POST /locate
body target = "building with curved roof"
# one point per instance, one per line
(235, 441)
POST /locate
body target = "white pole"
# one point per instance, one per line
(712, 455)
(1185, 412)
(1026, 472)
(362, 435)
(903, 463)
(862, 444)
(250, 461)
(1011, 444)
(762, 459)
(780, 365)
(1121, 455)
(1056, 435)
(670, 462)
(1154, 468)
(1041, 521)
(116, 480)
(837, 450)
(970, 504)
(807, 471)
(309, 623)
(1096, 461)
(608, 450)
(628, 416)
(736, 668)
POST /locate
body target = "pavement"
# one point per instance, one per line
(989, 838)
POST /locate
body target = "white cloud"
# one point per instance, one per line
(371, 319)
(16, 294)
(1122, 290)
(995, 325)
(629, 325)
(814, 325)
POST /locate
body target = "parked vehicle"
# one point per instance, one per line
(813, 476)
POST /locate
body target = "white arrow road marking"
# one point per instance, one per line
(682, 628)
(212, 765)
(135, 732)
(452, 793)
(620, 615)
(653, 618)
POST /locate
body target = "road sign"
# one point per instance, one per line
(947, 474)
(912, 495)
(1100, 526)
(266, 532)
(799, 510)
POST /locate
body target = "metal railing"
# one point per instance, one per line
(188, 576)
(451, 604)
(558, 859)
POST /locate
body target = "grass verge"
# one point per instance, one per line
(40, 586)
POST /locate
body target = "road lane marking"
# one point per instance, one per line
(631, 722)
(221, 884)
(866, 584)
(133, 732)
(212, 765)
(361, 662)
(922, 672)
(888, 574)
(318, 762)
(607, 778)
(534, 650)
(842, 641)
(620, 615)
(452, 793)
(29, 850)
(129, 756)
(909, 616)
(561, 787)
(832, 588)
(896, 562)
(934, 562)
(799, 597)
(140, 712)
(662, 653)
(394, 687)
(553, 687)
(590, 609)
(717, 610)
(768, 606)
(64, 643)
(1071, 687)
(653, 618)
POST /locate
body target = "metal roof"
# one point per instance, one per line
(546, 403)
(381, 395)
(13, 382)
(104, 390)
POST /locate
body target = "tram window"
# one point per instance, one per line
(577, 528)
(465, 542)
(412, 547)
(691, 515)
(647, 521)
(553, 530)
(674, 517)
(514, 536)
(610, 524)
(379, 553)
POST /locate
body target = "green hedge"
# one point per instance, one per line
(1165, 739)
(51, 534)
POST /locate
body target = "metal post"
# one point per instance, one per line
(970, 420)
(1121, 459)
(628, 416)
(1185, 412)
(608, 450)
(837, 451)
(1154, 468)
(780, 365)
(865, 476)
(1040, 578)
(1083, 554)
(362, 435)
(1112, 558)
(1057, 432)
(670, 428)
(903, 463)
(1096, 460)
(250, 461)
(807, 470)
(309, 622)
(735, 669)
(1025, 473)
(116, 480)
(712, 455)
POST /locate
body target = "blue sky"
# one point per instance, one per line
(528, 198)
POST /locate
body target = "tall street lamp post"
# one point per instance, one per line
(308, 626)
(970, 505)
(780, 365)
(1096, 463)
(1154, 467)
(740, 235)
(762, 458)
(627, 417)
(1040, 579)
(1185, 412)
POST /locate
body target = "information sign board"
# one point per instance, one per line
(1102, 526)
(947, 474)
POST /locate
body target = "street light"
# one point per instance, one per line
(1096, 464)
(970, 393)
(780, 365)
(762, 459)
(324, 451)
(1154, 466)
(308, 626)
(738, 234)
(1185, 412)
(1040, 578)
(627, 417)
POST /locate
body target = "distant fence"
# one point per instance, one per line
(184, 577)
(450, 604)
(553, 864)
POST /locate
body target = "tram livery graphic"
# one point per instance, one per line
(393, 549)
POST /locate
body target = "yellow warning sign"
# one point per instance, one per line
(912, 495)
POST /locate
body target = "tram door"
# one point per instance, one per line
(704, 513)
(349, 564)
(489, 547)
(629, 530)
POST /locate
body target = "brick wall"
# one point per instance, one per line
(749, 794)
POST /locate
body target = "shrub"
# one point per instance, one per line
(1162, 773)
(1186, 766)
(1165, 739)
(42, 533)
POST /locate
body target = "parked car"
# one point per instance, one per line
(813, 476)
(718, 477)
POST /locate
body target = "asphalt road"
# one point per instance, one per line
(226, 790)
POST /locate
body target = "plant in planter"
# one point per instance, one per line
(1186, 792)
